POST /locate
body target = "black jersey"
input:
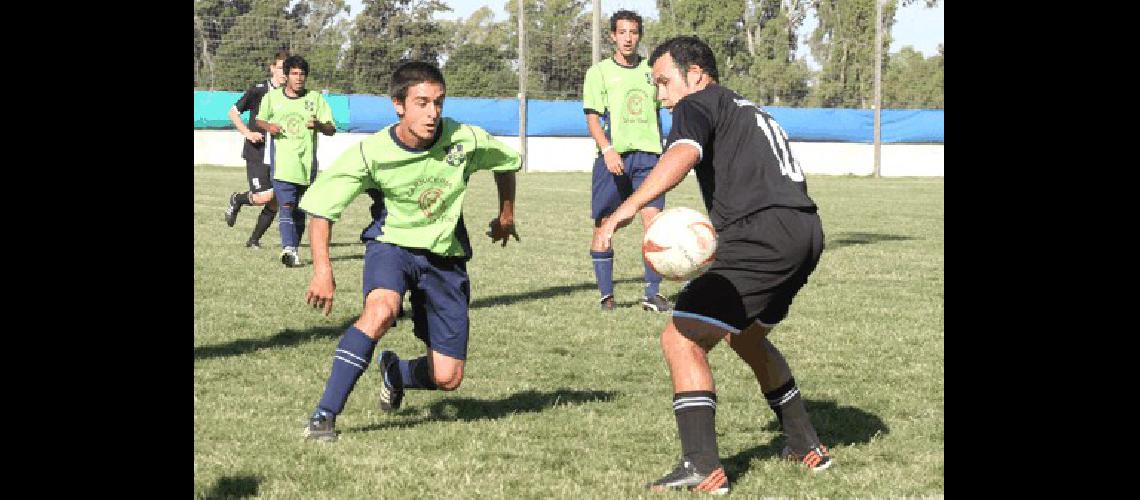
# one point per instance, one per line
(251, 101)
(746, 164)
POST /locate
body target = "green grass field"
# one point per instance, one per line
(560, 400)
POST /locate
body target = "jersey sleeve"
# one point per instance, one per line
(264, 112)
(324, 111)
(691, 125)
(594, 91)
(246, 100)
(491, 154)
(336, 187)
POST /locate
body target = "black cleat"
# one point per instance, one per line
(656, 303)
(321, 427)
(232, 210)
(254, 244)
(607, 303)
(685, 476)
(392, 386)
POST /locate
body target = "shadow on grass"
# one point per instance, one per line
(284, 338)
(836, 426)
(467, 409)
(292, 337)
(234, 487)
(546, 293)
(850, 239)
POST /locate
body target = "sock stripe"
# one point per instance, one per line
(693, 402)
(781, 401)
(346, 360)
(358, 358)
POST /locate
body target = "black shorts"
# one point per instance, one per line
(257, 172)
(761, 262)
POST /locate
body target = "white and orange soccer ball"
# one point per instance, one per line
(680, 243)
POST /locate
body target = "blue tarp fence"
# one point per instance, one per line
(369, 113)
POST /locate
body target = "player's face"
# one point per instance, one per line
(672, 86)
(422, 109)
(626, 37)
(295, 80)
(277, 72)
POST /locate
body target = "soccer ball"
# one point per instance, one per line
(680, 243)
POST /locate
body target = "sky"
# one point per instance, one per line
(915, 25)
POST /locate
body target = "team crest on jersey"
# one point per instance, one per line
(455, 156)
(427, 201)
(309, 106)
(649, 79)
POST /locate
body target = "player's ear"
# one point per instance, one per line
(399, 107)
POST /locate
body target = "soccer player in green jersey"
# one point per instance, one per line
(293, 114)
(620, 91)
(419, 169)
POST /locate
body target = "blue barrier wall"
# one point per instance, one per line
(369, 113)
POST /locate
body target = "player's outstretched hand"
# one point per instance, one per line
(321, 290)
(502, 231)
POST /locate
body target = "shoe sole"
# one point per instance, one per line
(386, 394)
(645, 306)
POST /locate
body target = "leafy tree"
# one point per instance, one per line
(245, 50)
(478, 57)
(212, 20)
(844, 45)
(754, 42)
(558, 46)
(387, 33)
(912, 81)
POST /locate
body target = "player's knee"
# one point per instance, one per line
(448, 380)
(376, 319)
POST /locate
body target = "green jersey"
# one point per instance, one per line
(423, 190)
(627, 98)
(296, 148)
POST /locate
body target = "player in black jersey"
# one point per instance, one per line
(769, 241)
(255, 149)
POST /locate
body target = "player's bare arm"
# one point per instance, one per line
(613, 159)
(235, 118)
(326, 128)
(504, 226)
(272, 128)
(323, 285)
(671, 169)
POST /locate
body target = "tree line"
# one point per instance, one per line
(755, 42)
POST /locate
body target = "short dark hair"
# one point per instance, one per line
(686, 50)
(295, 62)
(627, 15)
(413, 73)
(281, 55)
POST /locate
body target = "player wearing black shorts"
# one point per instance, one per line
(255, 149)
(769, 241)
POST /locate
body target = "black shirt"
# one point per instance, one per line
(251, 100)
(746, 164)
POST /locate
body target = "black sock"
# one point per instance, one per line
(264, 220)
(696, 424)
(793, 416)
(242, 199)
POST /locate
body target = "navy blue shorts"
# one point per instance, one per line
(610, 190)
(440, 290)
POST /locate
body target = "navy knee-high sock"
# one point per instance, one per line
(652, 280)
(604, 271)
(416, 374)
(286, 226)
(349, 361)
